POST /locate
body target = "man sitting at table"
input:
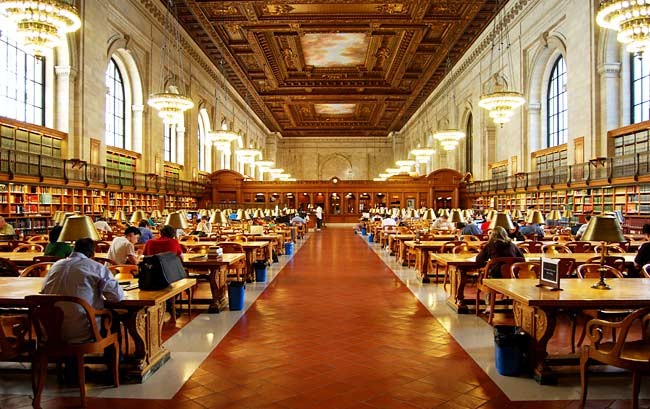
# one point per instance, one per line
(643, 254)
(5, 228)
(81, 276)
(166, 242)
(388, 222)
(442, 223)
(122, 250)
(103, 226)
(469, 229)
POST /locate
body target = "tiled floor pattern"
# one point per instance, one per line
(337, 329)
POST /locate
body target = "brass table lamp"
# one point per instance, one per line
(605, 229)
(502, 219)
(176, 220)
(78, 227)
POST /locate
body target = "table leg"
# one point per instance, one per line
(456, 299)
(540, 325)
(218, 280)
(145, 328)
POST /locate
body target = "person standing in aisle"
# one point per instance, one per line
(319, 217)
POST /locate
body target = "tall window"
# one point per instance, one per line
(556, 104)
(640, 89)
(202, 165)
(22, 84)
(169, 148)
(468, 143)
(115, 108)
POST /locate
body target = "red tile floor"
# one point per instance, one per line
(336, 329)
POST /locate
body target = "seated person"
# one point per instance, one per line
(166, 242)
(57, 248)
(297, 220)
(643, 254)
(81, 276)
(145, 233)
(388, 222)
(515, 234)
(203, 228)
(122, 250)
(5, 228)
(442, 223)
(583, 228)
(470, 228)
(534, 228)
(103, 226)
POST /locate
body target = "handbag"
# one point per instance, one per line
(159, 271)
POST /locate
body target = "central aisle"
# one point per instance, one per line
(337, 329)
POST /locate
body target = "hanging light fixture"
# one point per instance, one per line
(501, 102)
(248, 155)
(631, 18)
(422, 155)
(449, 137)
(40, 25)
(170, 102)
(265, 165)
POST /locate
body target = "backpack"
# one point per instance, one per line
(159, 271)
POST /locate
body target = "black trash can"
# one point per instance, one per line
(510, 350)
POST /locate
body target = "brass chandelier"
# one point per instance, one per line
(630, 18)
(40, 25)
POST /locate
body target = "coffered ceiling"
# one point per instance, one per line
(335, 68)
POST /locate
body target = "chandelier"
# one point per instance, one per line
(248, 155)
(222, 138)
(501, 103)
(40, 25)
(449, 138)
(265, 165)
(170, 102)
(422, 155)
(631, 18)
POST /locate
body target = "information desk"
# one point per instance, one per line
(535, 308)
(460, 264)
(144, 320)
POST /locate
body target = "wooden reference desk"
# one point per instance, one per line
(144, 320)
(460, 264)
(535, 308)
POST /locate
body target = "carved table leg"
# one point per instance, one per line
(217, 289)
(456, 300)
(540, 325)
(145, 327)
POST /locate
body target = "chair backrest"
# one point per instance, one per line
(579, 246)
(530, 246)
(645, 271)
(203, 249)
(8, 268)
(617, 262)
(449, 246)
(469, 237)
(563, 238)
(499, 267)
(37, 270)
(124, 269)
(189, 238)
(47, 317)
(28, 248)
(465, 249)
(592, 270)
(105, 261)
(525, 269)
(555, 248)
(102, 246)
(632, 361)
(230, 247)
(566, 267)
(611, 248)
(39, 237)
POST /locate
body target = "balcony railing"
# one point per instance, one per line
(633, 165)
(17, 163)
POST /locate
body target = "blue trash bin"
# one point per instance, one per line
(288, 248)
(371, 238)
(260, 271)
(236, 295)
(509, 348)
(363, 231)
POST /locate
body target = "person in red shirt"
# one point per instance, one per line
(166, 242)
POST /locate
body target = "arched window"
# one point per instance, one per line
(640, 89)
(115, 134)
(204, 151)
(469, 129)
(169, 146)
(22, 83)
(556, 103)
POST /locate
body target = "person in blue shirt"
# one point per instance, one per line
(145, 233)
(470, 228)
(532, 229)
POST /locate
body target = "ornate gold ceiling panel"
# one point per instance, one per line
(335, 68)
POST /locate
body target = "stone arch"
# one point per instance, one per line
(335, 164)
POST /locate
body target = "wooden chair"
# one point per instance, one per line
(47, 317)
(614, 248)
(131, 269)
(8, 268)
(555, 249)
(189, 239)
(645, 271)
(632, 355)
(617, 262)
(105, 261)
(102, 247)
(563, 238)
(469, 237)
(202, 249)
(237, 270)
(580, 246)
(467, 249)
(37, 270)
(39, 238)
(14, 336)
(28, 248)
(592, 270)
(530, 246)
(504, 264)
(525, 269)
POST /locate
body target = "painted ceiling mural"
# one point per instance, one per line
(335, 68)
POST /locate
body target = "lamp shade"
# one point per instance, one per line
(119, 216)
(603, 228)
(554, 215)
(429, 215)
(502, 219)
(490, 214)
(516, 214)
(176, 220)
(78, 227)
(218, 217)
(566, 214)
(137, 216)
(106, 214)
(456, 216)
(165, 212)
(535, 217)
(156, 214)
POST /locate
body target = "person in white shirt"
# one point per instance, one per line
(203, 226)
(583, 228)
(81, 276)
(388, 221)
(319, 217)
(442, 223)
(122, 250)
(102, 226)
